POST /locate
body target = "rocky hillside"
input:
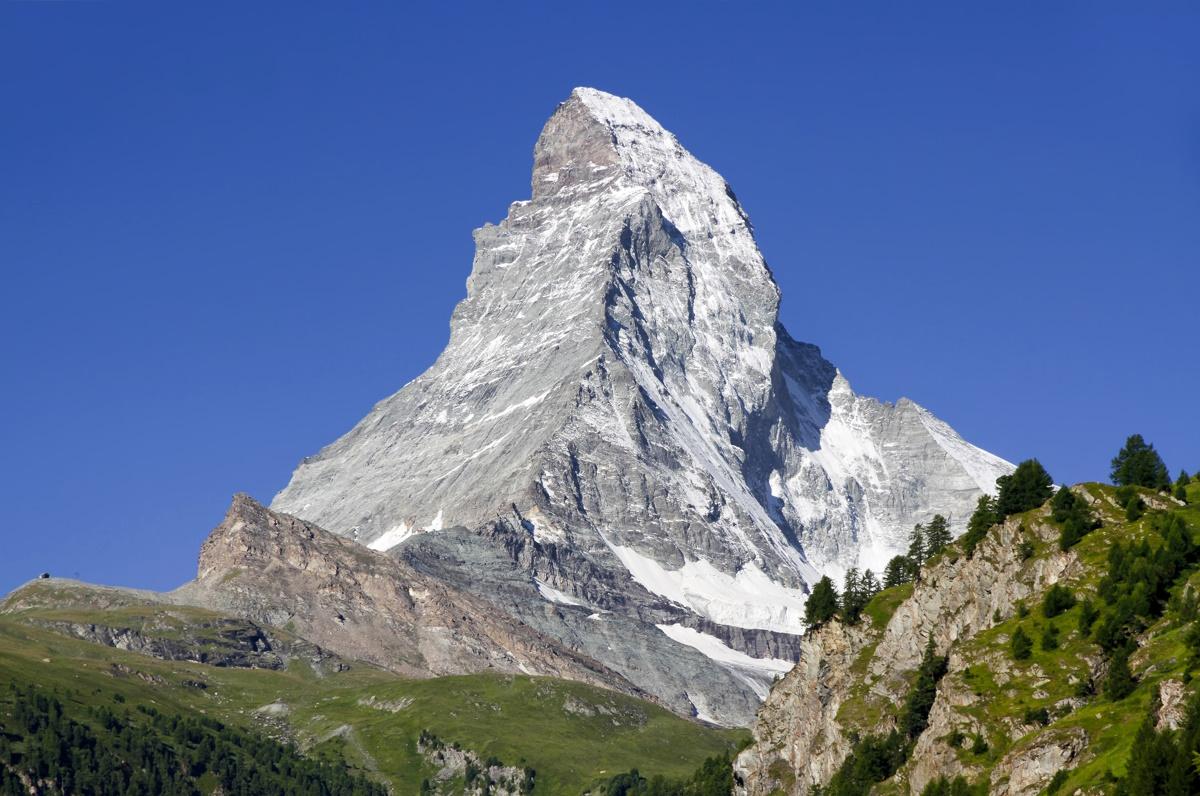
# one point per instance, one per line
(1032, 682)
(276, 570)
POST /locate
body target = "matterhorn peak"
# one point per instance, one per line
(621, 429)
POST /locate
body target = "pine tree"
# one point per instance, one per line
(1150, 760)
(1075, 516)
(1058, 599)
(1021, 644)
(1049, 637)
(982, 519)
(852, 596)
(1135, 507)
(914, 717)
(899, 570)
(1119, 683)
(1138, 464)
(937, 535)
(870, 585)
(1028, 487)
(822, 604)
(916, 546)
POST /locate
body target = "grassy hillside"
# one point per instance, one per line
(571, 734)
(1004, 705)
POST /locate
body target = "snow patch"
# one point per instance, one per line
(749, 599)
(757, 673)
(556, 596)
(392, 537)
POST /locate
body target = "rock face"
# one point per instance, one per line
(620, 414)
(276, 570)
(853, 679)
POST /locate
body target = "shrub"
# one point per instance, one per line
(1037, 716)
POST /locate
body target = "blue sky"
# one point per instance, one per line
(228, 229)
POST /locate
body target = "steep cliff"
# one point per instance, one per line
(1007, 724)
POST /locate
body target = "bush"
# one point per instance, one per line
(979, 745)
(1037, 716)
(949, 787)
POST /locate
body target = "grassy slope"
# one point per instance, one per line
(1048, 678)
(521, 720)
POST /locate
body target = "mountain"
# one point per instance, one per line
(622, 446)
(1060, 715)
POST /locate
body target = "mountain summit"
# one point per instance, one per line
(622, 446)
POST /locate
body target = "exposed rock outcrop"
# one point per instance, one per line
(277, 570)
(852, 680)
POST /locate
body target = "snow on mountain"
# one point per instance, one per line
(621, 414)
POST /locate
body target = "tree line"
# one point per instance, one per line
(129, 753)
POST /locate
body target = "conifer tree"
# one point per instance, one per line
(914, 717)
(870, 585)
(1138, 464)
(1049, 637)
(1150, 760)
(899, 570)
(1021, 644)
(822, 604)
(1028, 487)
(982, 519)
(1058, 599)
(937, 535)
(1119, 683)
(916, 546)
(853, 596)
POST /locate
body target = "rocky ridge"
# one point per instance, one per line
(280, 571)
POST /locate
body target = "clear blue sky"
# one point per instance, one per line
(226, 230)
